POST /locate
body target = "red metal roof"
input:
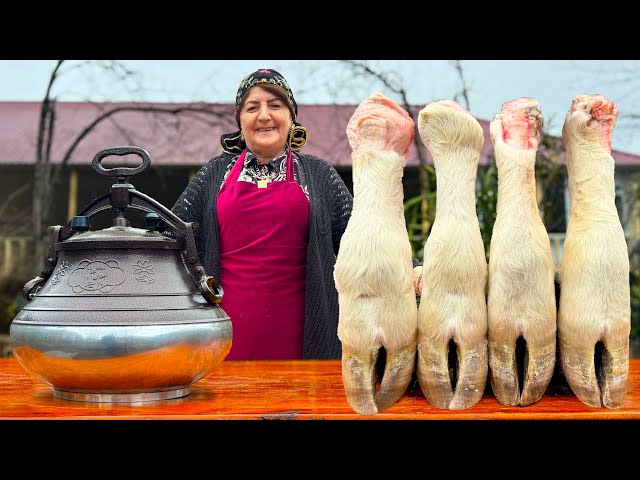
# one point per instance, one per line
(190, 139)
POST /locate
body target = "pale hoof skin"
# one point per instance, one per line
(597, 378)
(466, 388)
(535, 370)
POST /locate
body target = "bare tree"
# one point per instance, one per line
(48, 171)
(464, 88)
(41, 193)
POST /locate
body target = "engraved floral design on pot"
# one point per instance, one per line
(96, 276)
(60, 272)
(143, 271)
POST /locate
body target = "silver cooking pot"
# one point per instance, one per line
(122, 314)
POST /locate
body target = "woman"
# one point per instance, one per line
(270, 223)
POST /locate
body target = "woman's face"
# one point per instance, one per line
(265, 121)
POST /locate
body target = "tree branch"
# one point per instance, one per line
(465, 90)
(131, 108)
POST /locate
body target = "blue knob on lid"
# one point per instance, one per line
(81, 223)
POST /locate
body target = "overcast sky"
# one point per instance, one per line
(554, 83)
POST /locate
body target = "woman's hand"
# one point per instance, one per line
(417, 280)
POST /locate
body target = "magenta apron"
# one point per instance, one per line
(263, 251)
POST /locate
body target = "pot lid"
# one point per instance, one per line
(118, 237)
(164, 230)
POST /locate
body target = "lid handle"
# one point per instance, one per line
(121, 172)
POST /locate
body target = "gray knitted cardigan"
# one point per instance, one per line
(331, 204)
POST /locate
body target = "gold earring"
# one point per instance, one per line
(297, 137)
(290, 136)
(241, 135)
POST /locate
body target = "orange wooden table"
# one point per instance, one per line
(289, 390)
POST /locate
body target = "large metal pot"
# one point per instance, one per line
(122, 314)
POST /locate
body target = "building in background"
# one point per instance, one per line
(180, 138)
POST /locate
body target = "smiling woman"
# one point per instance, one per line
(271, 220)
(266, 121)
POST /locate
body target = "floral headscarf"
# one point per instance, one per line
(234, 142)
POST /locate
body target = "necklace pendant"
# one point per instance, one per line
(262, 183)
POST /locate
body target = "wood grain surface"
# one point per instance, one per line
(290, 390)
